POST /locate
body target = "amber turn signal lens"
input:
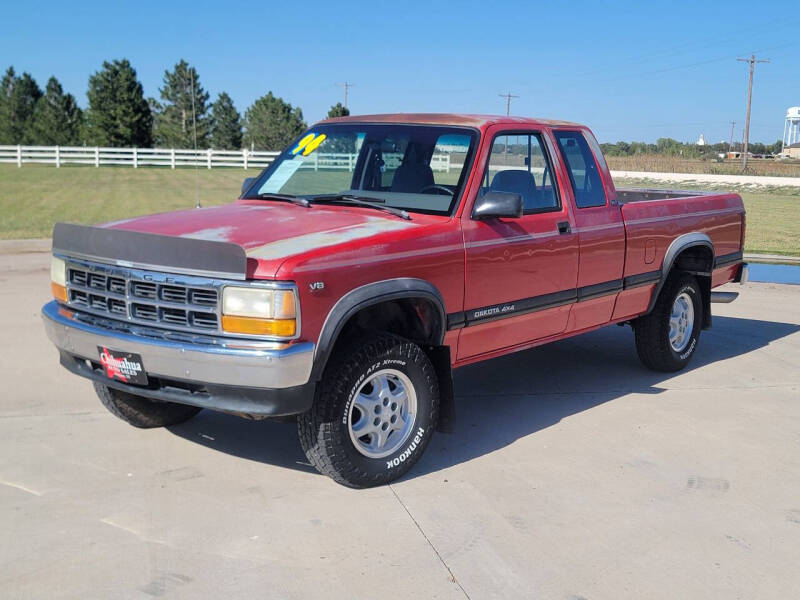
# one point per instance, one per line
(254, 326)
(59, 292)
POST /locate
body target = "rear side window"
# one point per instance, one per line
(583, 172)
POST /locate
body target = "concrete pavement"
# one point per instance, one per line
(573, 473)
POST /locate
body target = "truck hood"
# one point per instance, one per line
(270, 232)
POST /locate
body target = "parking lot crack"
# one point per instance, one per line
(430, 543)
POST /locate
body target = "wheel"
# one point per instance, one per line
(143, 412)
(666, 339)
(374, 413)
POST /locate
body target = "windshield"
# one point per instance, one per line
(419, 168)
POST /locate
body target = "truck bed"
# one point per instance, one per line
(655, 218)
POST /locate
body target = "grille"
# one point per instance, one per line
(157, 300)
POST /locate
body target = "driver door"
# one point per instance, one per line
(521, 273)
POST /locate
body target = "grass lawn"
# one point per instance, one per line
(34, 197)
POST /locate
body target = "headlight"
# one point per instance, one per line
(257, 311)
(58, 279)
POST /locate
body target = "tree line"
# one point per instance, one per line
(119, 115)
(671, 147)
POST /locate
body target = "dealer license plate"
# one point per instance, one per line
(123, 366)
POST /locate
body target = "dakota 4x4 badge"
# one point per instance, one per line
(123, 366)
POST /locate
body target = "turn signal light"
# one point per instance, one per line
(59, 291)
(256, 326)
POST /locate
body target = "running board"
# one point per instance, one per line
(724, 297)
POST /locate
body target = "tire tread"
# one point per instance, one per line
(652, 340)
(143, 412)
(323, 447)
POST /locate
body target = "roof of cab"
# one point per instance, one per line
(449, 119)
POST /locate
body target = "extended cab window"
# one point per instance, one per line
(583, 173)
(519, 165)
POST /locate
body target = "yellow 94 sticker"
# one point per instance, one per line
(309, 143)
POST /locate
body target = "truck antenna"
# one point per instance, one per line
(194, 134)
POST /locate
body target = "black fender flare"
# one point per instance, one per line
(368, 295)
(678, 245)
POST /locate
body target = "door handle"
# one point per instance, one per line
(564, 227)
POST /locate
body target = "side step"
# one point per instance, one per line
(724, 297)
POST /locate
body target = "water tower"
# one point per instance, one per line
(791, 127)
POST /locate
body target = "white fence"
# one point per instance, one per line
(135, 157)
(163, 157)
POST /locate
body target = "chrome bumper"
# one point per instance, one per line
(218, 361)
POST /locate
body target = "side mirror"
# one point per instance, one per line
(495, 205)
(248, 181)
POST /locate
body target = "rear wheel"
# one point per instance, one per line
(666, 339)
(143, 412)
(374, 413)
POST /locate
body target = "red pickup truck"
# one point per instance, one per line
(371, 258)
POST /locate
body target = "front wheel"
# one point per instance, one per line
(375, 411)
(666, 339)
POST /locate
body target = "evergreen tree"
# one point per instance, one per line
(226, 124)
(118, 114)
(6, 90)
(18, 97)
(337, 110)
(56, 118)
(184, 108)
(271, 123)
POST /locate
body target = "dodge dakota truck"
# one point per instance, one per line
(373, 256)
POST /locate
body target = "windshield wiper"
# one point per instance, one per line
(363, 201)
(285, 197)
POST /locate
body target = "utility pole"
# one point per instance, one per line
(508, 96)
(730, 144)
(752, 60)
(346, 87)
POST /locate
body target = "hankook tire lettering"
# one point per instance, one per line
(407, 452)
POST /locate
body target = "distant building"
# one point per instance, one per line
(792, 151)
(791, 128)
(701, 141)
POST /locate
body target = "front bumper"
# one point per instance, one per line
(260, 378)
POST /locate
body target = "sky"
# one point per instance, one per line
(630, 70)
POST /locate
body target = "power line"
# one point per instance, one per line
(508, 96)
(346, 85)
(752, 60)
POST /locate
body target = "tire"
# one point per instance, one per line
(143, 412)
(678, 310)
(387, 378)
